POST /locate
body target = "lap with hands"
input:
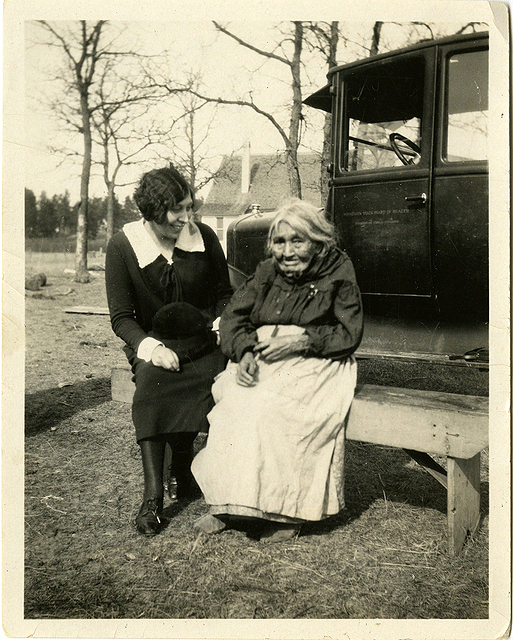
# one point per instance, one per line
(269, 350)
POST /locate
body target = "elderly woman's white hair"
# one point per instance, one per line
(308, 220)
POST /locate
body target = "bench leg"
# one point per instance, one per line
(463, 499)
(427, 463)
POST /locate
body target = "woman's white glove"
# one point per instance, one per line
(166, 358)
(215, 329)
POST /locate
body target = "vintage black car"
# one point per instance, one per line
(408, 181)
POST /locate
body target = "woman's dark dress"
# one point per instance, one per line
(139, 282)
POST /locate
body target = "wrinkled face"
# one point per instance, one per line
(175, 221)
(292, 250)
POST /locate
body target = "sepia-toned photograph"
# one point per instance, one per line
(256, 347)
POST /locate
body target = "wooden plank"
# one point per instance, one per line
(441, 423)
(97, 311)
(463, 500)
(122, 385)
(431, 422)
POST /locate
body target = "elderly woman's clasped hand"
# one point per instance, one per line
(282, 346)
(247, 370)
(269, 350)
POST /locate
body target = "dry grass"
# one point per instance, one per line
(384, 556)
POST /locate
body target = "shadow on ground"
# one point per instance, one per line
(374, 473)
(46, 409)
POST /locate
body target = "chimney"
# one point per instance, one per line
(245, 171)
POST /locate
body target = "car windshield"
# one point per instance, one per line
(385, 105)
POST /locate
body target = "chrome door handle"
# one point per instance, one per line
(422, 198)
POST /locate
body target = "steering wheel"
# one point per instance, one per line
(397, 137)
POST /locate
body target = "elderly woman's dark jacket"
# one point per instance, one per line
(325, 300)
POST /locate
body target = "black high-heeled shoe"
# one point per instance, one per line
(183, 489)
(149, 518)
(180, 481)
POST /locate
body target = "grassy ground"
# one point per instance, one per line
(384, 556)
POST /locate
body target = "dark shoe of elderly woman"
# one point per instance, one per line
(148, 519)
(179, 475)
(180, 489)
(209, 524)
(280, 532)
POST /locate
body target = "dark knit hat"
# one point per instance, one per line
(179, 320)
(183, 328)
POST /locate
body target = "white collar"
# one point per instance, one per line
(146, 251)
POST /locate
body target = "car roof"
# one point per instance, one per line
(321, 99)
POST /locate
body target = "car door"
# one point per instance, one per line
(460, 186)
(381, 171)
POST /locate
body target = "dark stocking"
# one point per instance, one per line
(152, 452)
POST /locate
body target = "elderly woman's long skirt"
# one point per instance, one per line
(276, 450)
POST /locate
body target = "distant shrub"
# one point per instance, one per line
(62, 244)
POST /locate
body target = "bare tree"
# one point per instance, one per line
(89, 101)
(413, 32)
(82, 52)
(120, 104)
(188, 135)
(190, 141)
(324, 38)
(290, 137)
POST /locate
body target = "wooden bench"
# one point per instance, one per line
(421, 423)
(424, 422)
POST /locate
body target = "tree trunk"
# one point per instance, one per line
(192, 151)
(376, 34)
(326, 146)
(81, 272)
(326, 159)
(110, 210)
(295, 116)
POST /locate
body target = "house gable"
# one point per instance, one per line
(268, 184)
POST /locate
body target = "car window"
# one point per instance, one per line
(385, 109)
(466, 124)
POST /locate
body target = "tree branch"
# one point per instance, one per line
(251, 105)
(267, 54)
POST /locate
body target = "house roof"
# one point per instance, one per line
(269, 184)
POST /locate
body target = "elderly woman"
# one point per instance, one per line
(276, 439)
(161, 259)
